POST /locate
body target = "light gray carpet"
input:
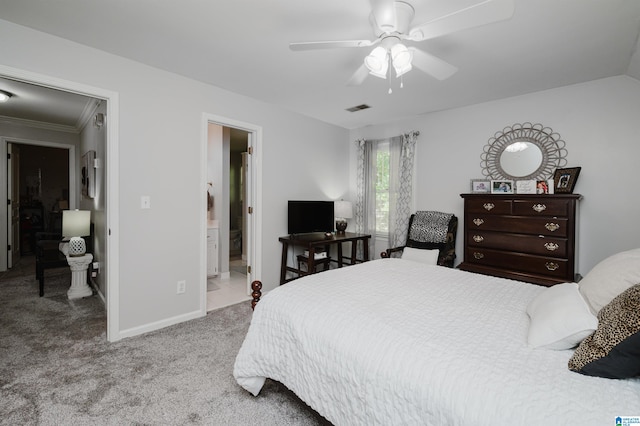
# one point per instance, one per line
(56, 367)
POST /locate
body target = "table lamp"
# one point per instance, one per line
(342, 210)
(75, 225)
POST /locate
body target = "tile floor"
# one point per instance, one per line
(225, 292)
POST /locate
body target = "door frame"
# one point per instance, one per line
(254, 195)
(112, 284)
(71, 149)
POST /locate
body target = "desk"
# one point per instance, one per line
(318, 240)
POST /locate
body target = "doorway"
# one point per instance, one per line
(231, 172)
(109, 148)
(39, 191)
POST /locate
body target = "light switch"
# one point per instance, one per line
(145, 202)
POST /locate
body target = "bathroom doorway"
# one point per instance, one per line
(232, 192)
(238, 166)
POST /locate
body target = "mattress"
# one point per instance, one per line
(397, 342)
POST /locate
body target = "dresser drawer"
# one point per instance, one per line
(491, 206)
(556, 227)
(542, 207)
(539, 265)
(533, 244)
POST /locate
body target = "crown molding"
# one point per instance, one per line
(39, 125)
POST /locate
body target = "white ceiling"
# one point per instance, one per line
(243, 46)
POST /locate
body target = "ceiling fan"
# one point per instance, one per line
(391, 22)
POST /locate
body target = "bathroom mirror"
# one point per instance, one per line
(523, 151)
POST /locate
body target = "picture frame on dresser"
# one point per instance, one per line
(502, 186)
(480, 186)
(565, 180)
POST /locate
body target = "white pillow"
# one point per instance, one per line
(429, 257)
(611, 277)
(560, 318)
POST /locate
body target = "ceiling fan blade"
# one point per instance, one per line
(359, 76)
(314, 45)
(481, 13)
(432, 65)
(384, 15)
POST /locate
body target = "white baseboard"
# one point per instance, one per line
(135, 331)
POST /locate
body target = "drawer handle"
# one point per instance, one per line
(478, 221)
(488, 206)
(551, 246)
(539, 207)
(478, 255)
(551, 266)
(478, 238)
(552, 226)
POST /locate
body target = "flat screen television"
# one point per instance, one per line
(310, 216)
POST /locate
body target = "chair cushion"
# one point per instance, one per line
(429, 257)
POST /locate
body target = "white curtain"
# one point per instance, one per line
(365, 211)
(401, 153)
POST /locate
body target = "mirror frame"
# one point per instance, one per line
(552, 147)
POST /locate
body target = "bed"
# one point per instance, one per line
(398, 342)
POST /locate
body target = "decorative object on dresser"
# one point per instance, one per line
(565, 180)
(526, 237)
(502, 187)
(523, 151)
(480, 186)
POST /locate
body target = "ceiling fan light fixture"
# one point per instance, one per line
(401, 56)
(402, 70)
(377, 62)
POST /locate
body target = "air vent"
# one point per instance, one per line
(358, 108)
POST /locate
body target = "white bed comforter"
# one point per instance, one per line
(395, 342)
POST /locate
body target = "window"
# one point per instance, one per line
(382, 189)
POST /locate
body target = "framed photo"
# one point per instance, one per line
(542, 187)
(565, 180)
(526, 186)
(88, 174)
(502, 187)
(479, 186)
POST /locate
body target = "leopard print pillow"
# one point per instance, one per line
(613, 350)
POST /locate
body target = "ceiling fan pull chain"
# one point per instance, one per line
(401, 81)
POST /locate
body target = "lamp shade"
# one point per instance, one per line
(378, 62)
(343, 209)
(76, 223)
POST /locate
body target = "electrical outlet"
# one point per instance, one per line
(182, 287)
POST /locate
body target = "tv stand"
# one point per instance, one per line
(313, 241)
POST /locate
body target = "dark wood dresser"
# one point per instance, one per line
(526, 237)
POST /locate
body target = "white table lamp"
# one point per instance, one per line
(342, 210)
(75, 225)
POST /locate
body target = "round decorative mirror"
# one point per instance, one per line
(523, 151)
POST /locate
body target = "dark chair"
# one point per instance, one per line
(431, 231)
(48, 255)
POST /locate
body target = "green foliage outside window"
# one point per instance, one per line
(382, 190)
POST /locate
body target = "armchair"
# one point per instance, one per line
(430, 230)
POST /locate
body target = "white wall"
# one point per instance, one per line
(159, 143)
(598, 120)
